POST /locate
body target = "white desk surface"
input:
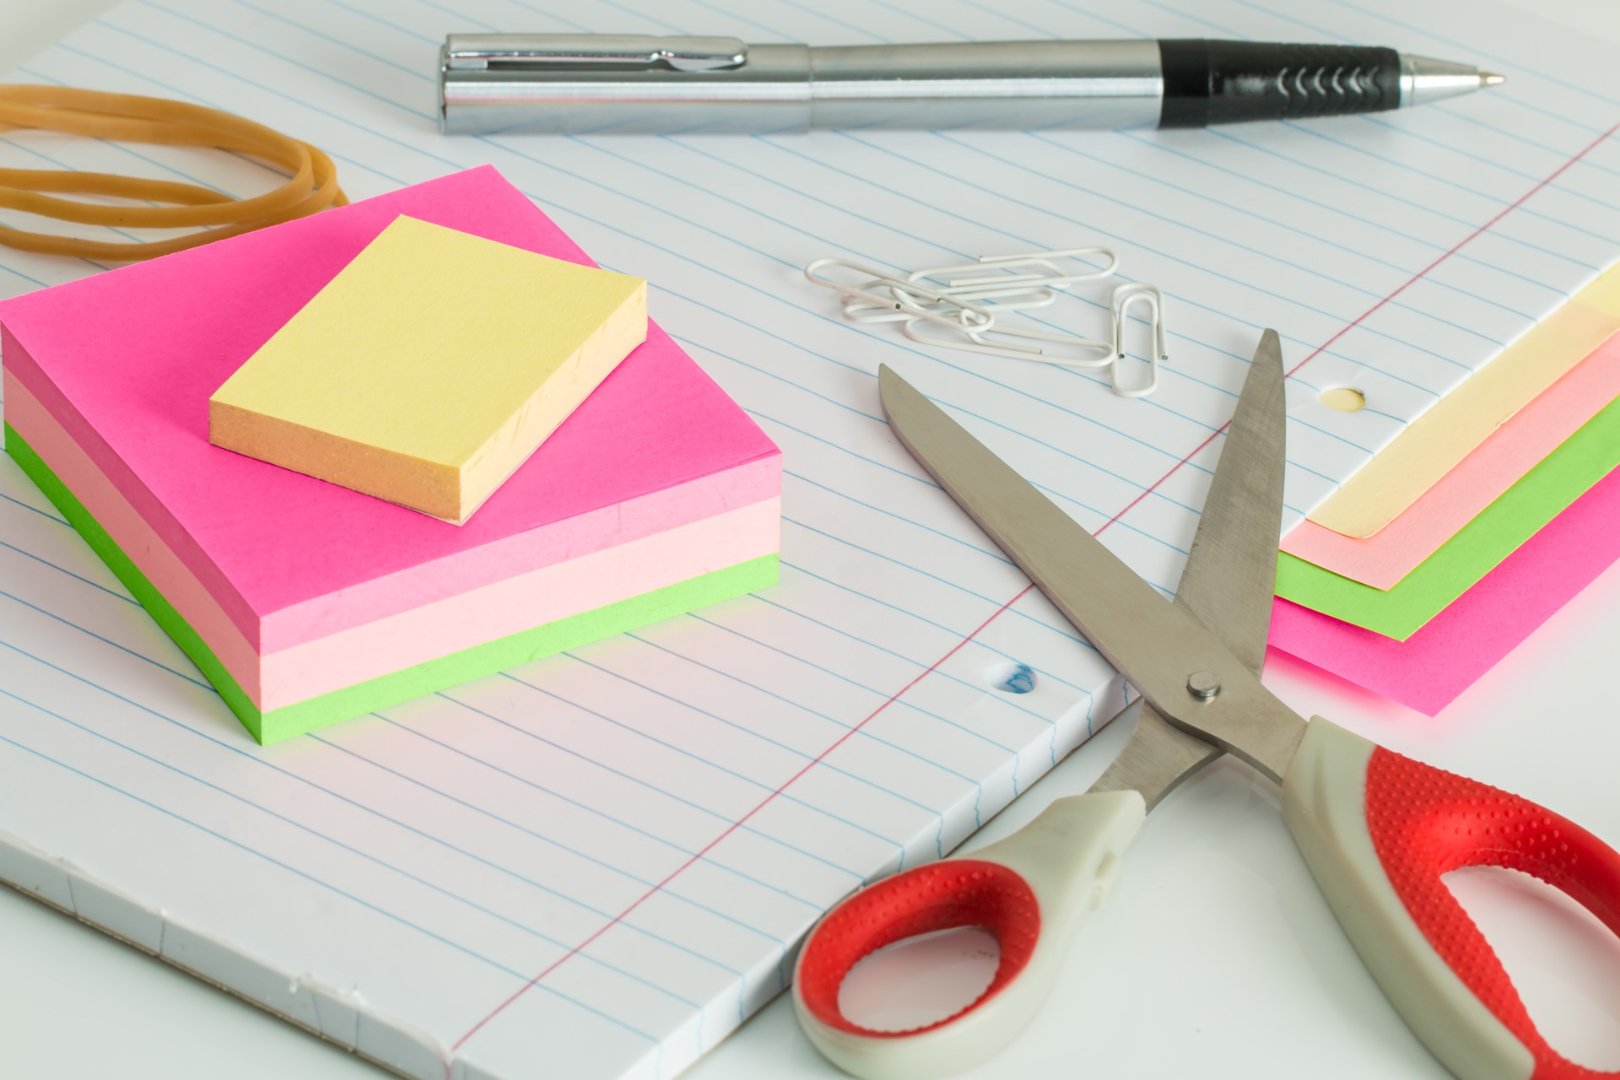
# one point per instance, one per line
(1214, 956)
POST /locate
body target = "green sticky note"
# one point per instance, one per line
(1518, 514)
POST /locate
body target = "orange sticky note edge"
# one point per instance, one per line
(1383, 559)
(1434, 443)
(430, 367)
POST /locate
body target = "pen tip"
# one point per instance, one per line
(1491, 78)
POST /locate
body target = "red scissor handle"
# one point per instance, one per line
(1028, 891)
(941, 896)
(1379, 831)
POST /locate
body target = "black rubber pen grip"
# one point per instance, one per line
(1219, 82)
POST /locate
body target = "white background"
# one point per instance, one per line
(1214, 957)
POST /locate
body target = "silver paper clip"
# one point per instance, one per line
(1124, 296)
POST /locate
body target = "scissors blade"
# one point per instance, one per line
(1154, 645)
(1231, 572)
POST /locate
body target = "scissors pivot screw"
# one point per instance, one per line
(1203, 685)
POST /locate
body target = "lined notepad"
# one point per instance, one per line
(598, 865)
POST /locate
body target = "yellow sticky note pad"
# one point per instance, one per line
(430, 367)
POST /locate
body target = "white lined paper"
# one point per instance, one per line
(437, 858)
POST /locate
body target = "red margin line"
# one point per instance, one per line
(920, 676)
(735, 825)
(1359, 319)
(1458, 246)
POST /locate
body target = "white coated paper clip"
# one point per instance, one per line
(973, 307)
(1124, 296)
(1001, 340)
(877, 297)
(1048, 275)
(1019, 282)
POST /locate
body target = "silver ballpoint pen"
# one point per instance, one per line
(635, 83)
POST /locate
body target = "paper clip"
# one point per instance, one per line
(1006, 287)
(1007, 290)
(859, 310)
(898, 301)
(992, 341)
(966, 299)
(1053, 278)
(903, 299)
(1079, 254)
(1011, 290)
(1123, 297)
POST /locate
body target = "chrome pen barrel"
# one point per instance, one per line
(767, 91)
(1002, 84)
(668, 85)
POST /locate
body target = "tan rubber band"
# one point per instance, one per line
(311, 184)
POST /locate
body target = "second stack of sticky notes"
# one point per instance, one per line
(1474, 525)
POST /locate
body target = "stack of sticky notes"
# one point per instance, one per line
(1479, 521)
(330, 578)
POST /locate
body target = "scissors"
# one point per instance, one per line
(1376, 829)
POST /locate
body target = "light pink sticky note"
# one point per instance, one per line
(1466, 640)
(285, 677)
(126, 360)
(1383, 559)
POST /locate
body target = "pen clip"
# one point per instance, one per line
(476, 52)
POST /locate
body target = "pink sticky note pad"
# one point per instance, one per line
(376, 649)
(126, 360)
(1440, 661)
(1383, 559)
